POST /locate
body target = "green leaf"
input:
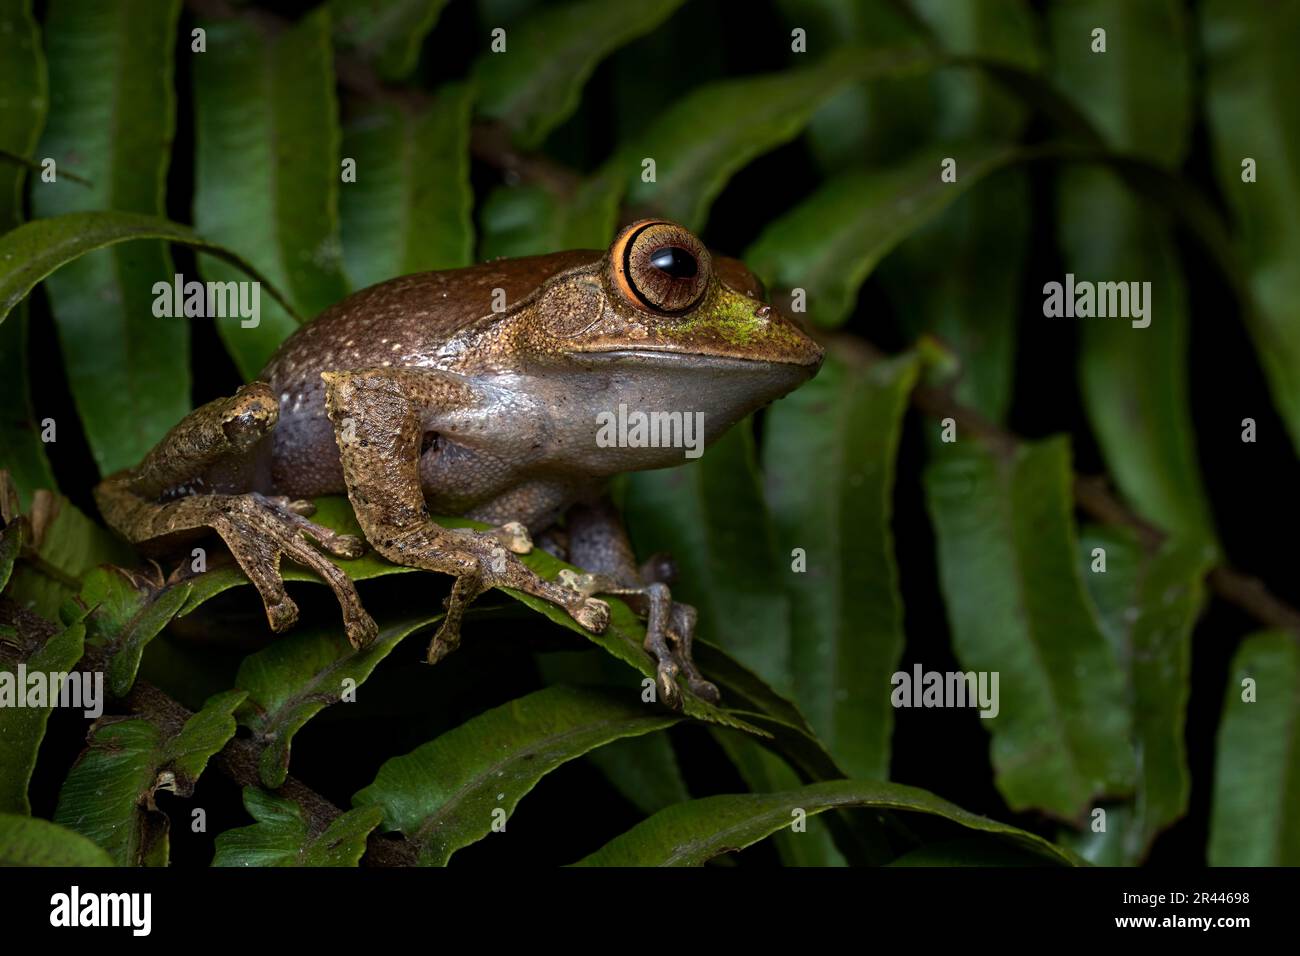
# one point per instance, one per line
(25, 841)
(385, 33)
(709, 515)
(1147, 605)
(267, 171)
(701, 141)
(21, 448)
(409, 209)
(1134, 379)
(23, 100)
(644, 770)
(1003, 31)
(281, 837)
(537, 82)
(691, 834)
(23, 728)
(298, 676)
(1138, 93)
(870, 120)
(109, 793)
(829, 244)
(448, 793)
(765, 772)
(982, 238)
(972, 851)
(130, 611)
(113, 117)
(67, 545)
(1257, 761)
(33, 251)
(529, 220)
(1017, 608)
(847, 615)
(12, 537)
(1250, 95)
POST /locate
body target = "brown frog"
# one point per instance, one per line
(484, 392)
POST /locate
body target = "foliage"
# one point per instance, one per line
(830, 543)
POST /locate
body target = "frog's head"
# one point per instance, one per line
(661, 321)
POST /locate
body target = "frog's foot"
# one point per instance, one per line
(670, 629)
(480, 560)
(259, 531)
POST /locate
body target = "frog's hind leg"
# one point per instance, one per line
(169, 496)
(597, 543)
(379, 418)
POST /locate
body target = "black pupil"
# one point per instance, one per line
(675, 261)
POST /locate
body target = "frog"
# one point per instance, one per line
(479, 393)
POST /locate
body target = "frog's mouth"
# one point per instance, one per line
(678, 358)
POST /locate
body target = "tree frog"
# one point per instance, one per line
(477, 392)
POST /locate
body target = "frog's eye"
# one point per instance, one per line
(660, 267)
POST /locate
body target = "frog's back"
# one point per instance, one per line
(403, 323)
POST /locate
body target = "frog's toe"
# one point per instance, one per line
(282, 615)
(347, 546)
(703, 689)
(669, 692)
(514, 536)
(593, 614)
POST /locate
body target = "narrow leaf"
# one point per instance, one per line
(701, 141)
(829, 244)
(847, 615)
(112, 119)
(1250, 94)
(409, 208)
(1133, 370)
(449, 792)
(1017, 609)
(691, 834)
(1147, 604)
(33, 251)
(23, 102)
(1257, 761)
(266, 169)
(537, 82)
(765, 772)
(385, 33)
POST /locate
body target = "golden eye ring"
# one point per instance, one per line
(660, 267)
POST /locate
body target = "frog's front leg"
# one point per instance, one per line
(380, 417)
(597, 542)
(191, 482)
